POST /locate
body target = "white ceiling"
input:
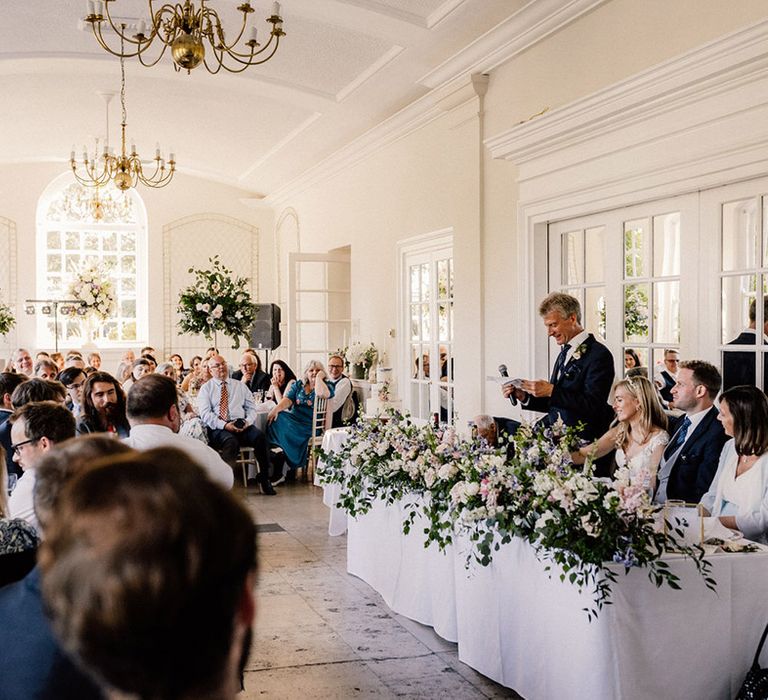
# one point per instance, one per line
(343, 67)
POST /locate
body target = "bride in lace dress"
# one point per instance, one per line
(639, 434)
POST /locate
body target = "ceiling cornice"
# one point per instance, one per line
(450, 84)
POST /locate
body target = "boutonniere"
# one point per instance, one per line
(579, 352)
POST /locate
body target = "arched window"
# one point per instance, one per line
(77, 226)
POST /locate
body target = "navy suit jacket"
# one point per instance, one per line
(695, 466)
(260, 380)
(32, 664)
(581, 392)
(739, 365)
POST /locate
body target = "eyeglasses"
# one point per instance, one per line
(245, 364)
(75, 385)
(216, 366)
(17, 447)
(335, 366)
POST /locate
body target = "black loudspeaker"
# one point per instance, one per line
(265, 332)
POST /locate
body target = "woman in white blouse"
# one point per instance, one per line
(738, 495)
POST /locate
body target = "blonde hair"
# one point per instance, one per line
(651, 411)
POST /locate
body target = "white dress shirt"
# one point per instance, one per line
(239, 398)
(149, 436)
(21, 503)
(343, 388)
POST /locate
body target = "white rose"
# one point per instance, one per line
(206, 308)
(472, 489)
(199, 306)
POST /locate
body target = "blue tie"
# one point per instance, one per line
(559, 363)
(679, 438)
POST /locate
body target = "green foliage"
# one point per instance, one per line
(586, 530)
(217, 302)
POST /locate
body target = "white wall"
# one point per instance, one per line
(429, 180)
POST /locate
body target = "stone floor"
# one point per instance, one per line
(322, 633)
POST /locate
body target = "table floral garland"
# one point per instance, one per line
(582, 525)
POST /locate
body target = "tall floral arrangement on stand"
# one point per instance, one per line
(217, 302)
(92, 286)
(7, 319)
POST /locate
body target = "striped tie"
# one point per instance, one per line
(224, 403)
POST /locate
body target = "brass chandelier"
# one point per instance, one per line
(125, 170)
(187, 30)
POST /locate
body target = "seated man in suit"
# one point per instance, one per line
(578, 388)
(690, 460)
(665, 377)
(228, 411)
(739, 365)
(251, 374)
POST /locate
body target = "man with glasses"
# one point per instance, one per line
(665, 378)
(35, 428)
(343, 403)
(251, 374)
(690, 460)
(228, 411)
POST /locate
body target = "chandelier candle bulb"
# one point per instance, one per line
(91, 7)
(275, 9)
(142, 28)
(252, 38)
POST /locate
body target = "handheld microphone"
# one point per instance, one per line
(503, 372)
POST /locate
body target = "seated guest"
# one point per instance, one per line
(282, 380)
(128, 356)
(28, 391)
(251, 373)
(42, 355)
(139, 368)
(73, 380)
(151, 359)
(18, 551)
(739, 365)
(58, 358)
(45, 369)
(639, 435)
(178, 364)
(22, 361)
(666, 377)
(344, 404)
(690, 459)
(191, 425)
(153, 411)
(738, 495)
(103, 408)
(228, 411)
(123, 372)
(181, 630)
(35, 429)
(148, 350)
(631, 359)
(33, 664)
(290, 422)
(197, 376)
(94, 360)
(8, 382)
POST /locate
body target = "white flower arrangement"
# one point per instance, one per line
(93, 288)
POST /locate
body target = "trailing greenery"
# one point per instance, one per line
(587, 529)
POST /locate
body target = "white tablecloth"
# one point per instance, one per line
(332, 442)
(528, 632)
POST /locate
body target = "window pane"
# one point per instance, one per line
(425, 290)
(91, 241)
(443, 284)
(128, 242)
(739, 234)
(450, 277)
(415, 321)
(54, 263)
(54, 240)
(72, 240)
(666, 245)
(666, 313)
(737, 293)
(630, 363)
(109, 241)
(594, 310)
(765, 231)
(415, 287)
(426, 329)
(636, 313)
(573, 257)
(636, 244)
(594, 244)
(444, 322)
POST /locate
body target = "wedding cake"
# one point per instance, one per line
(382, 393)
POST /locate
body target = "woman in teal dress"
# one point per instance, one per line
(290, 422)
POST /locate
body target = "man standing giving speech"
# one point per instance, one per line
(578, 388)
